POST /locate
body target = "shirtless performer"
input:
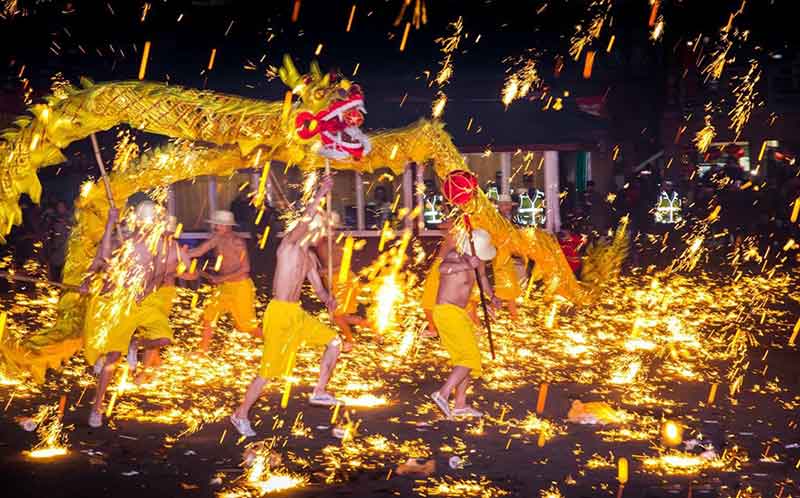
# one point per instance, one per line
(107, 337)
(286, 324)
(431, 285)
(166, 295)
(235, 292)
(456, 329)
(346, 295)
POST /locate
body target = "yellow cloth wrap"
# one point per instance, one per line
(457, 333)
(287, 327)
(430, 290)
(237, 298)
(147, 317)
(506, 280)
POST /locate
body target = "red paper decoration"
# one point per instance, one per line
(459, 187)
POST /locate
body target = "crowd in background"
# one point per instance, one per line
(744, 206)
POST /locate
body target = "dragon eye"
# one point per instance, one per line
(341, 93)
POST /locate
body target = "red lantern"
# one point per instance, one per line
(459, 186)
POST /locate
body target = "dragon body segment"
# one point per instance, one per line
(219, 134)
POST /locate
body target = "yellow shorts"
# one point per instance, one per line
(105, 333)
(237, 298)
(167, 294)
(457, 333)
(430, 291)
(287, 327)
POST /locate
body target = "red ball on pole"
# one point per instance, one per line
(459, 186)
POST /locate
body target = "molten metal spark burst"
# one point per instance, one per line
(746, 98)
(519, 83)
(448, 486)
(52, 442)
(438, 105)
(704, 137)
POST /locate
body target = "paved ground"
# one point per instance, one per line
(651, 347)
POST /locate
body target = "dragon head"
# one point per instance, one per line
(331, 111)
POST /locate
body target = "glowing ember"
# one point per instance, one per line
(468, 487)
(52, 440)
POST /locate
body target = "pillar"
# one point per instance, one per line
(361, 220)
(505, 173)
(551, 197)
(408, 195)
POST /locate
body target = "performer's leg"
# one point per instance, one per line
(205, 341)
(250, 397)
(456, 377)
(461, 393)
(512, 308)
(327, 364)
(104, 379)
(431, 330)
(343, 322)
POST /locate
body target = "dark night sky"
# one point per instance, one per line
(76, 38)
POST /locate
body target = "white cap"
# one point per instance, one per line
(222, 217)
(483, 245)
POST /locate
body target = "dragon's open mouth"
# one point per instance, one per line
(338, 126)
(344, 137)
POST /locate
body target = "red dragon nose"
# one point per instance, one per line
(353, 117)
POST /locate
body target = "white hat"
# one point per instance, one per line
(146, 212)
(172, 223)
(504, 198)
(222, 217)
(483, 245)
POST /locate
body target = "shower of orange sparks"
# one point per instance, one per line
(145, 56)
(587, 66)
(350, 19)
(295, 10)
(405, 36)
(211, 59)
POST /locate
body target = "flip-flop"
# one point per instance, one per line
(442, 403)
(242, 426)
(95, 419)
(467, 412)
(323, 400)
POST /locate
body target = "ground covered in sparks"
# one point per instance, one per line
(710, 353)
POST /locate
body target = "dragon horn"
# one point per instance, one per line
(316, 72)
(288, 73)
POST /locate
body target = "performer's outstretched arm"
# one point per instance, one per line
(203, 248)
(104, 250)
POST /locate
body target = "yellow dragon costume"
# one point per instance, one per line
(319, 120)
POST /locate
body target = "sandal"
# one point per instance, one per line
(95, 419)
(442, 403)
(467, 412)
(243, 426)
(323, 400)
